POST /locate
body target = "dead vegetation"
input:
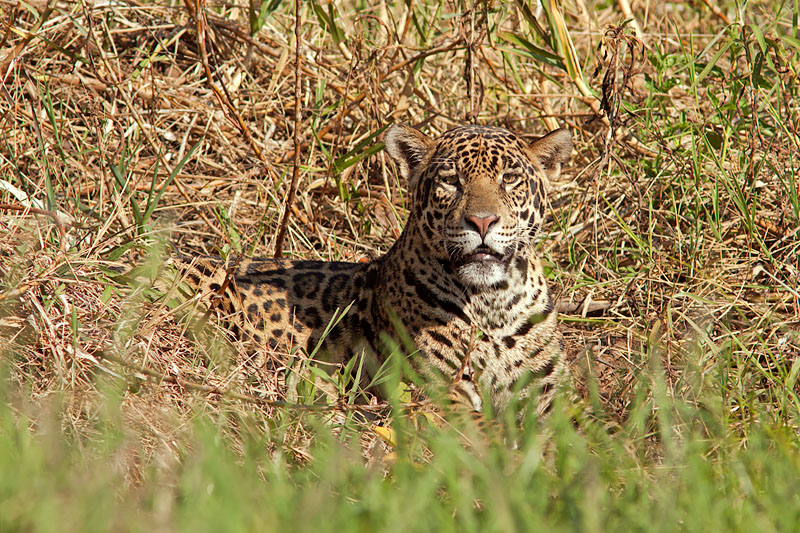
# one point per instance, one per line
(673, 235)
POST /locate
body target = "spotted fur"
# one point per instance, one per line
(463, 281)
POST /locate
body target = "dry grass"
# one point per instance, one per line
(678, 214)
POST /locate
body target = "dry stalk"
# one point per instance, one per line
(717, 11)
(298, 117)
(225, 101)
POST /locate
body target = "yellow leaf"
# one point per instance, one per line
(387, 434)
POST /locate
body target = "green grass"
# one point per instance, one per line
(686, 468)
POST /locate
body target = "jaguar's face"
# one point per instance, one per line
(478, 193)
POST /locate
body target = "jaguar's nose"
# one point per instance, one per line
(482, 224)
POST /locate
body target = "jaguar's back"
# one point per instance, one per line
(282, 303)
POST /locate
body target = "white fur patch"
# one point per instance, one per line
(482, 272)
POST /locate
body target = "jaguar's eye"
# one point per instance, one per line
(511, 178)
(449, 176)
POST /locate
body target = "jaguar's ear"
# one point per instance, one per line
(408, 147)
(552, 150)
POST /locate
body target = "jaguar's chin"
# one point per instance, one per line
(482, 273)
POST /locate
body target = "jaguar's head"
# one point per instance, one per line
(478, 193)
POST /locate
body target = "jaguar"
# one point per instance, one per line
(463, 284)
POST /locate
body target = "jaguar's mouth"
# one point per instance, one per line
(481, 255)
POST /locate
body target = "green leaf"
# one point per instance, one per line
(791, 41)
(531, 50)
(355, 154)
(328, 20)
(759, 37)
(151, 205)
(711, 64)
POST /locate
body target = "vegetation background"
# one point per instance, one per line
(672, 242)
